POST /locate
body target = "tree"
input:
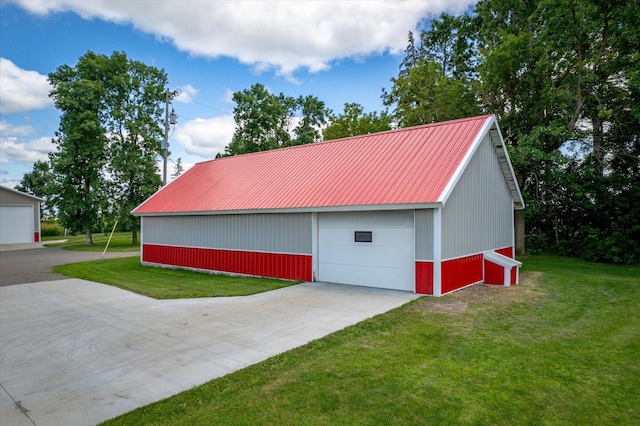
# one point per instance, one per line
(353, 122)
(313, 115)
(423, 94)
(108, 137)
(451, 43)
(39, 182)
(266, 121)
(562, 78)
(554, 72)
(133, 107)
(178, 168)
(81, 152)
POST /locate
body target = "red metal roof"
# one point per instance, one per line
(405, 166)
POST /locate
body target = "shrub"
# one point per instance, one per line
(51, 229)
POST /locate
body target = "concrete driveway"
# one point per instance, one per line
(75, 352)
(32, 262)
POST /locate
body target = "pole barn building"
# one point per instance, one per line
(19, 217)
(426, 209)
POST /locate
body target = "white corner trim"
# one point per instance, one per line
(141, 238)
(315, 250)
(437, 252)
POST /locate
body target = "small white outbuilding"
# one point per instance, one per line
(19, 217)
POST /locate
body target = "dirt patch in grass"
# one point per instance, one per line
(459, 301)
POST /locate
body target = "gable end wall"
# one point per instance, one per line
(478, 214)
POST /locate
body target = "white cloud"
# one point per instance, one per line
(22, 90)
(8, 129)
(9, 182)
(279, 35)
(187, 93)
(228, 96)
(205, 137)
(13, 149)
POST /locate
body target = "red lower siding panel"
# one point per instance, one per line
(507, 251)
(276, 265)
(424, 278)
(36, 237)
(494, 274)
(457, 273)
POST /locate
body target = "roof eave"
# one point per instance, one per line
(22, 193)
(491, 128)
(323, 209)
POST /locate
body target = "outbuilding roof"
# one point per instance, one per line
(24, 194)
(414, 167)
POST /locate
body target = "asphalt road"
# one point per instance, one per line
(34, 264)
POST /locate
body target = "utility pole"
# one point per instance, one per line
(168, 119)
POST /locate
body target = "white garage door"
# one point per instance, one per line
(388, 261)
(16, 224)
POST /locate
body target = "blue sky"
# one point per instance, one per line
(337, 51)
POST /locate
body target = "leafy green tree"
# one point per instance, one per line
(353, 122)
(39, 182)
(562, 77)
(267, 121)
(108, 138)
(451, 43)
(423, 94)
(554, 72)
(81, 140)
(133, 113)
(313, 115)
(261, 121)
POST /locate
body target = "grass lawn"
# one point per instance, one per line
(121, 241)
(562, 348)
(162, 283)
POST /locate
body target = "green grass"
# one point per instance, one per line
(162, 283)
(120, 242)
(563, 349)
(45, 238)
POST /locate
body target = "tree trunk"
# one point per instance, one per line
(519, 232)
(598, 149)
(89, 238)
(134, 237)
(518, 224)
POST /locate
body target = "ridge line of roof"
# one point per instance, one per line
(402, 129)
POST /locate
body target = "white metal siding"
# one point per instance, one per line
(424, 234)
(386, 262)
(16, 224)
(13, 198)
(274, 233)
(478, 214)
